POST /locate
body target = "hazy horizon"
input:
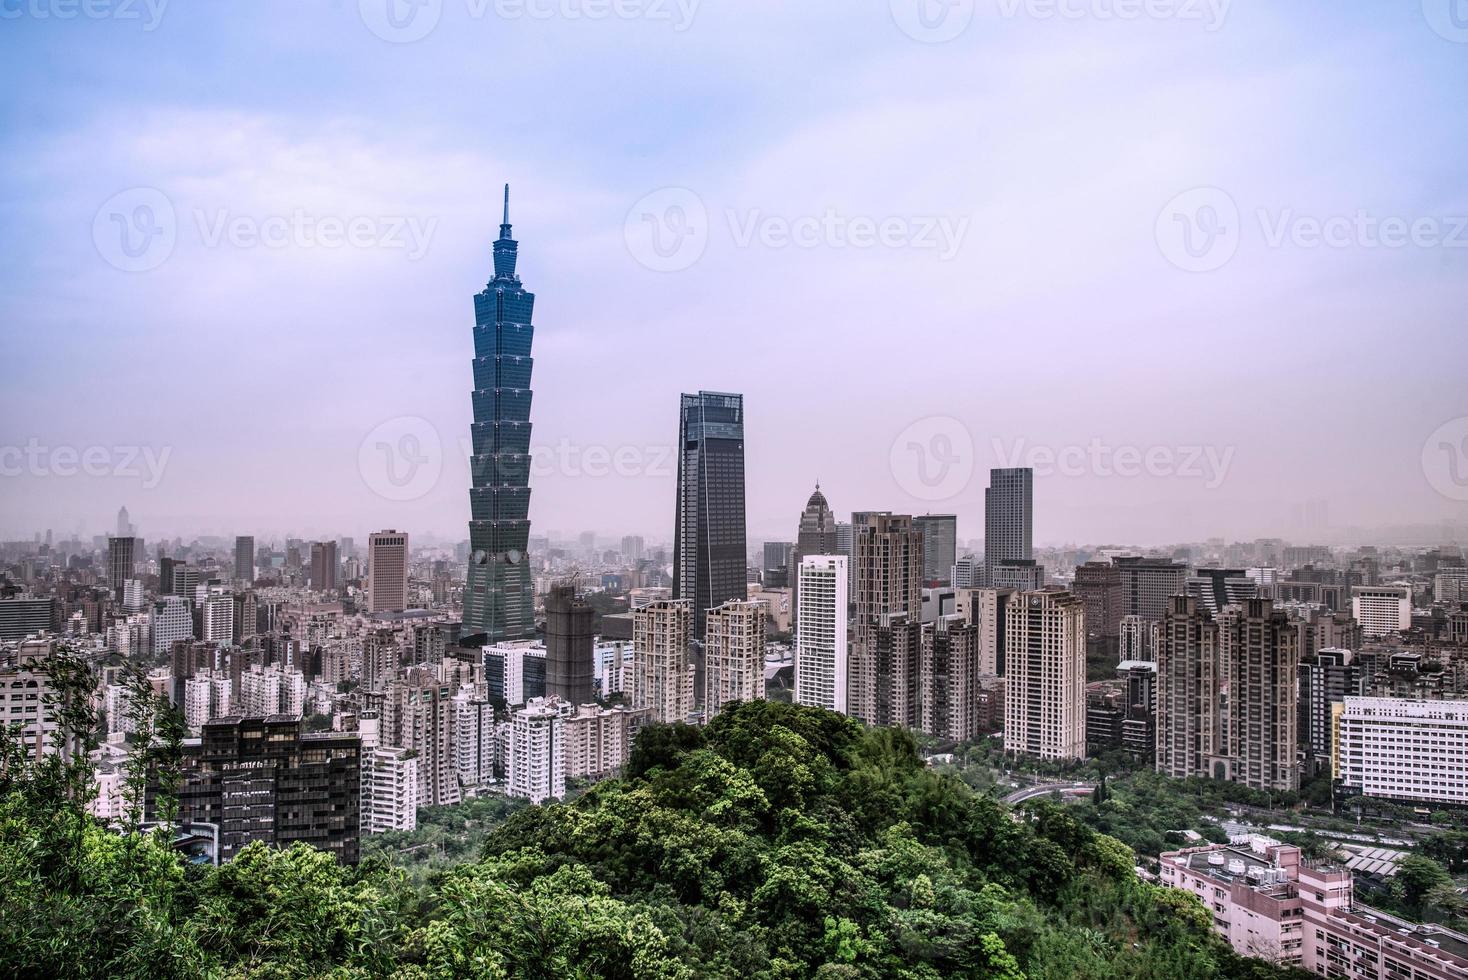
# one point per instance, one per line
(243, 248)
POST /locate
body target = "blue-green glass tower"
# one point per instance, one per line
(498, 598)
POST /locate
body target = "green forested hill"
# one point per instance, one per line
(778, 841)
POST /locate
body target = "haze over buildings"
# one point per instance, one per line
(1059, 259)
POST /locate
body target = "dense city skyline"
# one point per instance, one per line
(924, 489)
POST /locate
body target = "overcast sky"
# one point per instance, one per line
(1204, 264)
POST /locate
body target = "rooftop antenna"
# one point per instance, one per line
(507, 204)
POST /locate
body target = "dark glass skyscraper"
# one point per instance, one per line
(497, 601)
(709, 554)
(1008, 518)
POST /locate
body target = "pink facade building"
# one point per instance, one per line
(1270, 903)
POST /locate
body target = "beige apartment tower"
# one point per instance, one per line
(1045, 675)
(1260, 652)
(662, 674)
(886, 584)
(1189, 671)
(734, 654)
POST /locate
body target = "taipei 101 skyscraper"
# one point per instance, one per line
(498, 598)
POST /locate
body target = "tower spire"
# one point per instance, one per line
(504, 246)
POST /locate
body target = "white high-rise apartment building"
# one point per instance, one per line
(536, 760)
(266, 691)
(820, 635)
(1382, 609)
(1402, 749)
(473, 738)
(168, 622)
(387, 571)
(390, 789)
(417, 714)
(596, 741)
(25, 692)
(734, 654)
(218, 616)
(115, 706)
(206, 697)
(1045, 675)
(662, 674)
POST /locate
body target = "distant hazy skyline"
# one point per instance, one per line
(1223, 248)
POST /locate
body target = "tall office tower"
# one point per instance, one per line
(186, 579)
(1098, 583)
(1148, 583)
(734, 654)
(816, 535)
(1045, 675)
(940, 547)
(570, 636)
(1009, 530)
(324, 565)
(1382, 609)
(390, 787)
(662, 675)
(498, 597)
(1327, 678)
(820, 636)
(417, 714)
(121, 561)
(632, 548)
(387, 571)
(845, 539)
(1220, 587)
(887, 579)
(244, 558)
(124, 523)
(165, 574)
(1189, 674)
(1260, 651)
(709, 551)
(266, 779)
(949, 679)
(775, 573)
(536, 763)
